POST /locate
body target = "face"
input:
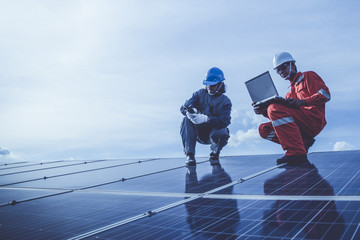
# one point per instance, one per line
(283, 69)
(213, 88)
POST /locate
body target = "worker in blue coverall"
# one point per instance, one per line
(206, 118)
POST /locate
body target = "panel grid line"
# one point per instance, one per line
(356, 230)
(13, 202)
(285, 207)
(324, 207)
(77, 172)
(155, 211)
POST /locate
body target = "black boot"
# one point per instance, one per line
(293, 160)
(190, 159)
(214, 159)
(309, 144)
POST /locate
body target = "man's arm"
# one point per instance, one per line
(261, 110)
(319, 92)
(190, 103)
(224, 119)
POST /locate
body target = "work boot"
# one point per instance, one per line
(309, 144)
(214, 159)
(191, 170)
(293, 160)
(190, 159)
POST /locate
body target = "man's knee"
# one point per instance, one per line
(222, 134)
(186, 120)
(187, 127)
(265, 129)
(186, 123)
(274, 109)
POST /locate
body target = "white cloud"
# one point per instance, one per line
(234, 114)
(342, 146)
(7, 155)
(240, 137)
(108, 75)
(4, 152)
(252, 119)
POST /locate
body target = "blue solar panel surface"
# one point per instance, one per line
(247, 197)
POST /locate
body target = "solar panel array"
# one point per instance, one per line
(247, 197)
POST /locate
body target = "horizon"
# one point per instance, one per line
(106, 79)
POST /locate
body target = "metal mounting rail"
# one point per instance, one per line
(77, 172)
(14, 202)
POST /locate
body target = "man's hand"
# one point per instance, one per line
(279, 100)
(295, 103)
(260, 110)
(290, 102)
(197, 118)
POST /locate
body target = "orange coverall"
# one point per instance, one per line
(291, 127)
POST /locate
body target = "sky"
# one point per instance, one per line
(105, 79)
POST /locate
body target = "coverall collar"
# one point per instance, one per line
(297, 75)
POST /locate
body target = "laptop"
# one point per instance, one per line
(261, 89)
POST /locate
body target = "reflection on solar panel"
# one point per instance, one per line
(247, 197)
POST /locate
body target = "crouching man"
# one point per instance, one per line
(297, 119)
(206, 118)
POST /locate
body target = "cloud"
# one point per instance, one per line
(252, 119)
(342, 146)
(4, 152)
(240, 137)
(234, 114)
(96, 74)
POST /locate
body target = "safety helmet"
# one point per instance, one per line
(214, 76)
(282, 57)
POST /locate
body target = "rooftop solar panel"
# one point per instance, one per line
(247, 197)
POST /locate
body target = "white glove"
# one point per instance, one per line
(197, 118)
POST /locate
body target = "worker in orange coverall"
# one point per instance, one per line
(296, 119)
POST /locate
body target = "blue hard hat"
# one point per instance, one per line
(214, 76)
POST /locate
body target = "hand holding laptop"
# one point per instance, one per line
(262, 107)
(290, 102)
(295, 103)
(261, 89)
(260, 110)
(263, 93)
(277, 99)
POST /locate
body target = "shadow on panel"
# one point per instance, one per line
(304, 219)
(211, 218)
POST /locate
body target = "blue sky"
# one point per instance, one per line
(105, 79)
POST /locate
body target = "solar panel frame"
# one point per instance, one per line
(154, 188)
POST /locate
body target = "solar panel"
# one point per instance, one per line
(247, 197)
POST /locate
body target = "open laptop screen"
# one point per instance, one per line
(261, 88)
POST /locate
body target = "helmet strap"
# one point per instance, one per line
(288, 76)
(217, 90)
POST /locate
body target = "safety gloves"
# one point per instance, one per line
(197, 118)
(295, 103)
(260, 110)
(289, 102)
(193, 115)
(279, 100)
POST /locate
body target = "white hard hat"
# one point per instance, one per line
(282, 57)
